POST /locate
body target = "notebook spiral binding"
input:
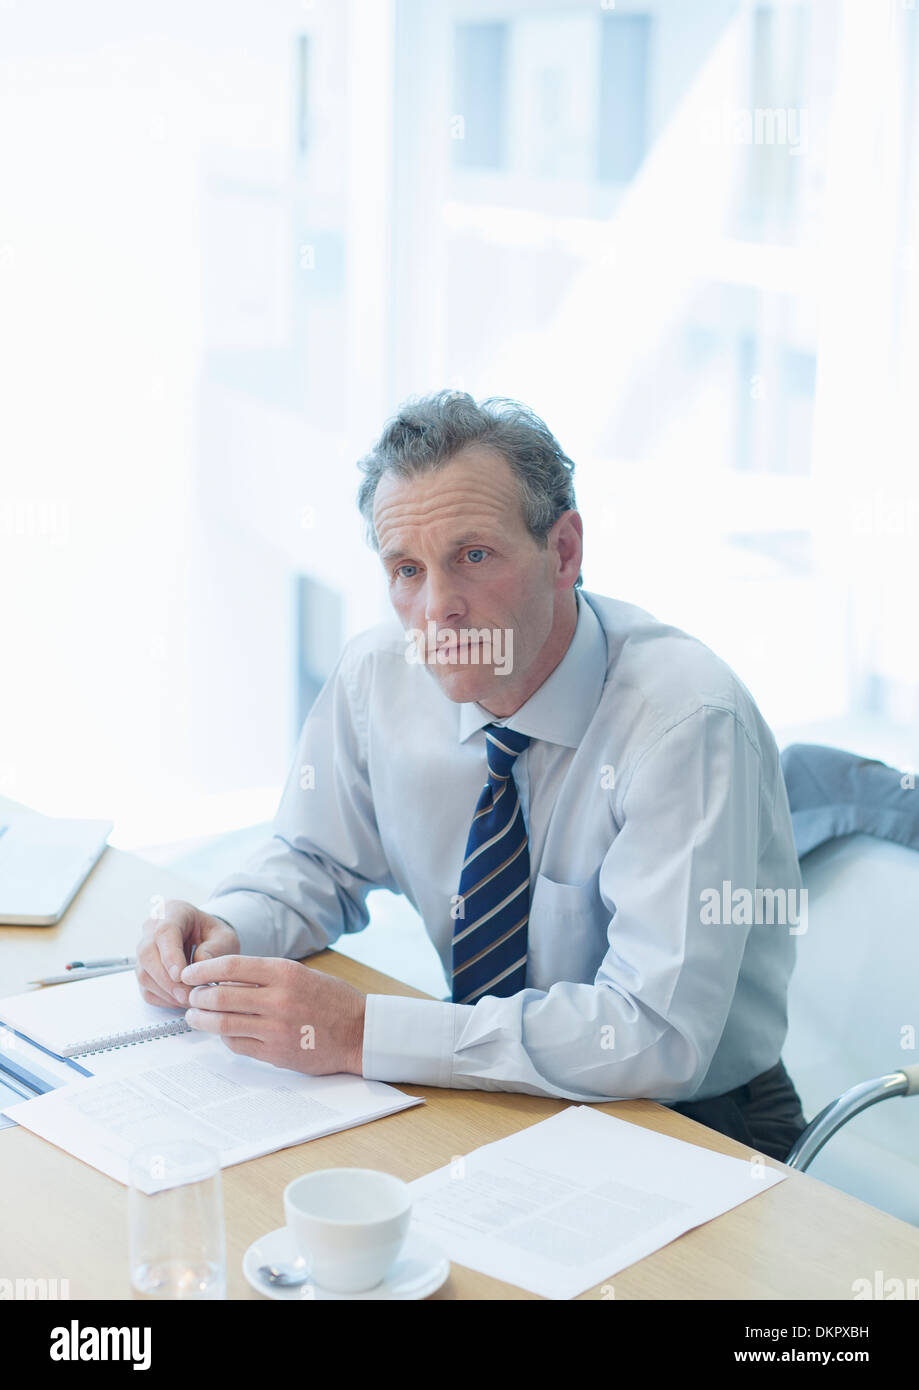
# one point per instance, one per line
(111, 1041)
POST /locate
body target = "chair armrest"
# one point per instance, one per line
(839, 1111)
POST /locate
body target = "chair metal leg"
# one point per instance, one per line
(850, 1103)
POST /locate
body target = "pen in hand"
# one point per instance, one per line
(212, 984)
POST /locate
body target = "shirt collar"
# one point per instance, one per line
(563, 706)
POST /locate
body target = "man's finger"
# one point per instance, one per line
(254, 970)
(150, 996)
(150, 967)
(169, 939)
(217, 944)
(227, 1025)
(153, 992)
(240, 997)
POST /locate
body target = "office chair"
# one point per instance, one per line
(853, 1008)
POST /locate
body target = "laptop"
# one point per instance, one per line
(43, 861)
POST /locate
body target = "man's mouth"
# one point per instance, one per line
(451, 650)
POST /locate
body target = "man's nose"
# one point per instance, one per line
(443, 602)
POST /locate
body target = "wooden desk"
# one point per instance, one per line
(62, 1219)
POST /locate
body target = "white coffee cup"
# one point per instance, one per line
(349, 1224)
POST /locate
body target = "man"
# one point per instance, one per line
(567, 790)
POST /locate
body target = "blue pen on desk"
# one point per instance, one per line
(97, 964)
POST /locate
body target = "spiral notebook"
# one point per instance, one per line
(90, 1016)
(144, 1083)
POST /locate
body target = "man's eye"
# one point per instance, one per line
(405, 567)
(471, 554)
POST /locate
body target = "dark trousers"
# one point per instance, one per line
(765, 1114)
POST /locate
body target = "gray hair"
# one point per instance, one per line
(428, 431)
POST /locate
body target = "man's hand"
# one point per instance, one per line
(166, 944)
(296, 1017)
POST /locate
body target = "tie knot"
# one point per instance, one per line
(503, 746)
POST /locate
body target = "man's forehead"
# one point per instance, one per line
(465, 492)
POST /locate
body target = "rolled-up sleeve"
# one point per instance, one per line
(309, 882)
(690, 812)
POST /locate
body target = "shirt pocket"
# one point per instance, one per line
(567, 932)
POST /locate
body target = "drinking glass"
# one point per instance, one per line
(175, 1221)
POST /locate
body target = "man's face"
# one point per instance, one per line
(457, 555)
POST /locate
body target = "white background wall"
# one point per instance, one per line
(202, 328)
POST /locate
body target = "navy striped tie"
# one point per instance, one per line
(490, 937)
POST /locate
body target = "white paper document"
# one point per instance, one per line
(567, 1203)
(198, 1089)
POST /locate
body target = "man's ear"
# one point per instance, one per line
(567, 540)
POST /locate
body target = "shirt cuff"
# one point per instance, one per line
(410, 1040)
(249, 914)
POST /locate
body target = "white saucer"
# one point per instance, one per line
(420, 1269)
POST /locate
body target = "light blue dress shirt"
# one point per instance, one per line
(651, 780)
